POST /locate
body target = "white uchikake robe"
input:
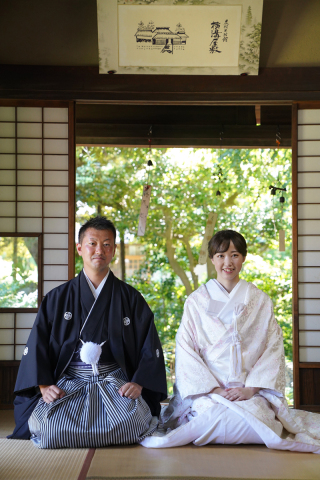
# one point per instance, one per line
(213, 322)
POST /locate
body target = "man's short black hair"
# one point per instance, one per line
(220, 242)
(99, 223)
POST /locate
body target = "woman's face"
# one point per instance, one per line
(228, 266)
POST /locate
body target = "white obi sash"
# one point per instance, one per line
(228, 307)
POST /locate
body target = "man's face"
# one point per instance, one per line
(97, 250)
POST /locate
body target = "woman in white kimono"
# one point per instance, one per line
(230, 370)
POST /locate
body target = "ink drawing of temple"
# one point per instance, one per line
(160, 35)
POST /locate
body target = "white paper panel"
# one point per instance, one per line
(309, 132)
(29, 114)
(55, 240)
(52, 194)
(22, 335)
(7, 224)
(309, 227)
(309, 322)
(309, 259)
(29, 177)
(7, 145)
(309, 116)
(7, 177)
(56, 162)
(308, 147)
(7, 129)
(7, 161)
(47, 286)
(309, 179)
(55, 130)
(30, 162)
(6, 352)
(309, 164)
(309, 339)
(25, 320)
(6, 320)
(7, 209)
(309, 290)
(30, 193)
(308, 211)
(19, 351)
(29, 209)
(33, 130)
(56, 209)
(56, 178)
(55, 146)
(57, 257)
(55, 225)
(26, 145)
(30, 225)
(55, 114)
(7, 193)
(308, 243)
(55, 272)
(7, 114)
(309, 274)
(309, 354)
(7, 336)
(307, 307)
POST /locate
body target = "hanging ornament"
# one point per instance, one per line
(282, 235)
(146, 195)
(211, 222)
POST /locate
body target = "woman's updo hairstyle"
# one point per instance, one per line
(220, 242)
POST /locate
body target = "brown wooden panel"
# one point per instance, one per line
(85, 83)
(8, 375)
(310, 386)
(295, 300)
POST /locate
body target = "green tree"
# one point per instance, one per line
(249, 16)
(184, 185)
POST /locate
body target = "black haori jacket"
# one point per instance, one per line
(134, 344)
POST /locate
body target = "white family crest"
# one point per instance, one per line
(126, 321)
(158, 353)
(68, 315)
(25, 351)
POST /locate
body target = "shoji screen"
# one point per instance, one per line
(36, 198)
(308, 256)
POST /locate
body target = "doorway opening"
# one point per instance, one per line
(186, 182)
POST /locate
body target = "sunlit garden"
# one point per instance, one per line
(185, 183)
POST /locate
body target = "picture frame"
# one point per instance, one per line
(179, 37)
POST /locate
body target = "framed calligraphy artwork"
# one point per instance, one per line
(191, 37)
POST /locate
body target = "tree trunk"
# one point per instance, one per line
(173, 262)
(210, 269)
(122, 257)
(191, 262)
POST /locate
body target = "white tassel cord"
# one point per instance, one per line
(90, 354)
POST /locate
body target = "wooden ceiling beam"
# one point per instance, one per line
(272, 85)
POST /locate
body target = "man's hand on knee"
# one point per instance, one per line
(131, 390)
(50, 393)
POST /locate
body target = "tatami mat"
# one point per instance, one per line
(211, 462)
(6, 423)
(21, 460)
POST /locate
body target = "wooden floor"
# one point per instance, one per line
(20, 460)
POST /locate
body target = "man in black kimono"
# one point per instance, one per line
(64, 396)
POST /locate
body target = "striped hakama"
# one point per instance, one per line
(92, 413)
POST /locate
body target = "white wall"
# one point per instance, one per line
(34, 198)
(308, 234)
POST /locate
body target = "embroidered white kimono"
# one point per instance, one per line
(232, 340)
